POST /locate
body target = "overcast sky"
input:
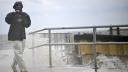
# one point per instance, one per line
(67, 13)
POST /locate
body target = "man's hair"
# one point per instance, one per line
(18, 3)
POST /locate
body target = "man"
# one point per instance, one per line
(18, 21)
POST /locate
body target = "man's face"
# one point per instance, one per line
(18, 9)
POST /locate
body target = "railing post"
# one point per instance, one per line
(33, 50)
(94, 48)
(50, 50)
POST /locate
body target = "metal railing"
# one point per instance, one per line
(94, 43)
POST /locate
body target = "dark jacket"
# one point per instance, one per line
(18, 22)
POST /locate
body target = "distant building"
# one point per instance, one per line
(86, 51)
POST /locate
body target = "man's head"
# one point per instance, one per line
(18, 6)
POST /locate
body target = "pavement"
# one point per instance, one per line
(39, 63)
(34, 65)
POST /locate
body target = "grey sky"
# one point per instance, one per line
(64, 13)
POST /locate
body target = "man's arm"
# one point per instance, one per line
(8, 18)
(27, 21)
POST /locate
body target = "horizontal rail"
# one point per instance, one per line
(88, 43)
(82, 27)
